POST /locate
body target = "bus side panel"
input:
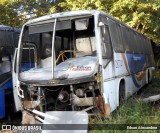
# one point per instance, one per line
(110, 90)
(123, 72)
(136, 65)
(120, 68)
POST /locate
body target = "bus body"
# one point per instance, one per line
(83, 60)
(9, 100)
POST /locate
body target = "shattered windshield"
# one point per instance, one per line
(74, 42)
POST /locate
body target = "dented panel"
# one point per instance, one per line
(71, 68)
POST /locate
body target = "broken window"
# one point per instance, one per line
(73, 39)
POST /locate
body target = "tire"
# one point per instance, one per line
(148, 75)
(122, 97)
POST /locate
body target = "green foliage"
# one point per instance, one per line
(133, 111)
(17, 12)
(86, 5)
(8, 16)
(143, 15)
(31, 8)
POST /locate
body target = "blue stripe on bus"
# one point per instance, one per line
(136, 63)
(135, 82)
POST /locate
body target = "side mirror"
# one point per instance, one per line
(100, 24)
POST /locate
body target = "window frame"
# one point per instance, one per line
(104, 20)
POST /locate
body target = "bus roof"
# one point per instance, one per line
(9, 36)
(74, 14)
(65, 14)
(8, 28)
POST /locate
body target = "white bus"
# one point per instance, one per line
(83, 60)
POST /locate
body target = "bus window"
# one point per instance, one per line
(5, 65)
(149, 48)
(106, 45)
(140, 44)
(132, 43)
(144, 45)
(28, 58)
(135, 42)
(116, 36)
(126, 39)
(58, 45)
(106, 41)
(85, 39)
(85, 46)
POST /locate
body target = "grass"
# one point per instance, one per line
(135, 111)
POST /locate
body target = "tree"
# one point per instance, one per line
(104, 5)
(35, 8)
(8, 16)
(142, 15)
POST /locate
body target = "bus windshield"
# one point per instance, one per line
(74, 42)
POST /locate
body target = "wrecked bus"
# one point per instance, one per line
(82, 61)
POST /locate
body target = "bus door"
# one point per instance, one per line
(106, 49)
(108, 64)
(29, 61)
